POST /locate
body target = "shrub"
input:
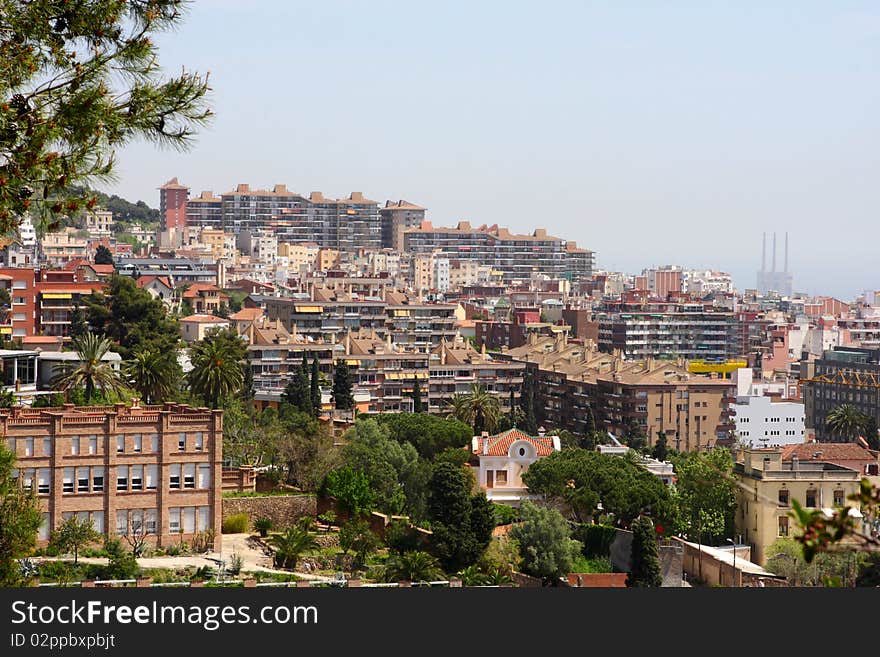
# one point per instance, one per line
(597, 539)
(123, 564)
(235, 564)
(328, 517)
(263, 525)
(401, 537)
(504, 515)
(204, 540)
(236, 524)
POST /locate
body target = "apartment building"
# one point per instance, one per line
(843, 375)
(765, 422)
(61, 247)
(57, 296)
(18, 319)
(205, 211)
(582, 389)
(692, 333)
(768, 485)
(396, 218)
(178, 270)
(517, 257)
(173, 206)
(99, 223)
(151, 472)
(455, 366)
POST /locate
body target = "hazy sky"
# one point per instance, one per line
(651, 132)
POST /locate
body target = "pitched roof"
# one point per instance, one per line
(500, 443)
(247, 314)
(196, 288)
(204, 319)
(143, 281)
(827, 452)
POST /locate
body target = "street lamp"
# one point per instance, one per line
(733, 543)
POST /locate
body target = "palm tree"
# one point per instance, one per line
(153, 374)
(479, 408)
(846, 421)
(215, 374)
(290, 544)
(415, 566)
(92, 372)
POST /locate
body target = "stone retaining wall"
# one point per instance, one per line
(283, 510)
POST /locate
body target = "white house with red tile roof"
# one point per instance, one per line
(505, 457)
(194, 327)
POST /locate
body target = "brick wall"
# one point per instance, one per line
(603, 580)
(283, 510)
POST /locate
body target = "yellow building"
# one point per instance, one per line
(768, 485)
(328, 259)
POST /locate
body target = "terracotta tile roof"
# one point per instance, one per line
(195, 289)
(247, 314)
(103, 269)
(500, 443)
(204, 319)
(143, 281)
(830, 452)
(401, 205)
(173, 184)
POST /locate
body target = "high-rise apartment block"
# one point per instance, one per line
(396, 218)
(172, 205)
(517, 257)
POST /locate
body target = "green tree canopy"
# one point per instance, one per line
(217, 367)
(154, 374)
(131, 318)
(545, 542)
(78, 81)
(429, 434)
(704, 495)
(91, 372)
(352, 490)
(461, 521)
(74, 534)
(582, 479)
(847, 422)
(103, 255)
(19, 519)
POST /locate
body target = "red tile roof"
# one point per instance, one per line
(203, 319)
(196, 288)
(143, 281)
(500, 443)
(830, 452)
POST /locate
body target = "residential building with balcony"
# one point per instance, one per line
(582, 389)
(396, 218)
(151, 472)
(517, 257)
(503, 460)
(205, 211)
(56, 302)
(769, 484)
(18, 319)
(173, 206)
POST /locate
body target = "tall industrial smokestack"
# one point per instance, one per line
(764, 254)
(786, 252)
(774, 252)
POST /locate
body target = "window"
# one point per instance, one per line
(181, 442)
(19, 301)
(98, 521)
(98, 480)
(199, 441)
(783, 525)
(783, 498)
(838, 498)
(74, 445)
(82, 480)
(204, 480)
(43, 534)
(189, 475)
(174, 480)
(28, 446)
(189, 520)
(138, 442)
(501, 477)
(811, 498)
(137, 477)
(120, 444)
(154, 442)
(174, 519)
(93, 444)
(121, 477)
(137, 522)
(47, 447)
(27, 478)
(67, 481)
(122, 522)
(204, 519)
(43, 481)
(150, 517)
(151, 477)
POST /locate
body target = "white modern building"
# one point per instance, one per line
(763, 422)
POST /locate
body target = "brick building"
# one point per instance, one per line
(150, 471)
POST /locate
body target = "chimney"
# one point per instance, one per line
(795, 462)
(484, 438)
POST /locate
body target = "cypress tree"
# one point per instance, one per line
(645, 560)
(417, 397)
(315, 386)
(342, 387)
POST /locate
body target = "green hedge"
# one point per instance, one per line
(237, 523)
(596, 539)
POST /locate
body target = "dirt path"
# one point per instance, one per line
(253, 556)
